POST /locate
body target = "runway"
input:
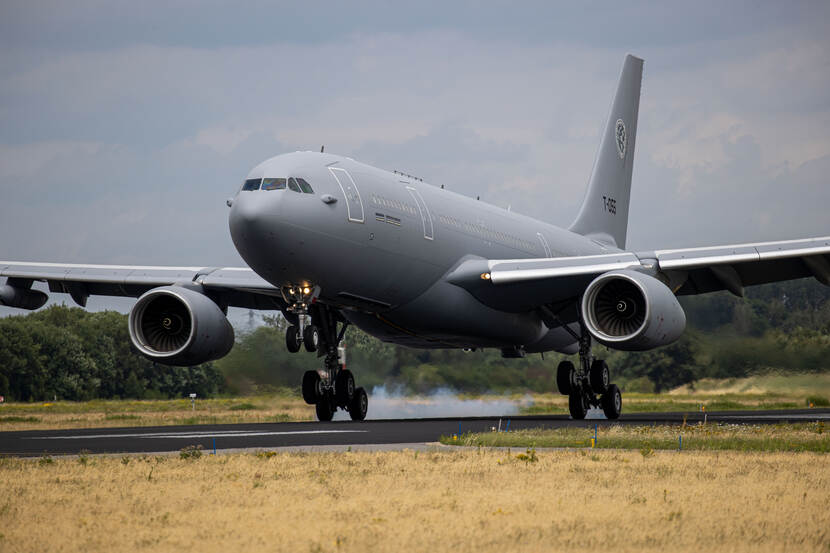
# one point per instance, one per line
(341, 433)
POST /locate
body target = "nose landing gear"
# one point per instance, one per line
(589, 386)
(299, 298)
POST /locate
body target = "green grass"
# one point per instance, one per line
(685, 401)
(712, 437)
(122, 417)
(114, 406)
(19, 419)
(818, 401)
(243, 407)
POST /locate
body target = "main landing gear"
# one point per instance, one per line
(590, 386)
(333, 386)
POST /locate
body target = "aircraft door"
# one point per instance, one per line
(354, 203)
(426, 218)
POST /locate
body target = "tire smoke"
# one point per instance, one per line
(442, 402)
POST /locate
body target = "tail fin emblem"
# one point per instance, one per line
(621, 138)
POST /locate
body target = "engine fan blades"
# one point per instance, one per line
(166, 324)
(620, 308)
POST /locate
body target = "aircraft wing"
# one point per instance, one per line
(232, 286)
(733, 267)
(524, 284)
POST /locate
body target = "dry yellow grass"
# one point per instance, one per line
(120, 413)
(465, 500)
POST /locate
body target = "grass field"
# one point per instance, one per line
(813, 437)
(758, 392)
(763, 392)
(116, 413)
(458, 500)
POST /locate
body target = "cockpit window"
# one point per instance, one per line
(279, 183)
(273, 184)
(305, 186)
(251, 184)
(292, 184)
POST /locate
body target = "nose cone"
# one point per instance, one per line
(248, 222)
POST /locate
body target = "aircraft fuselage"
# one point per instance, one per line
(382, 244)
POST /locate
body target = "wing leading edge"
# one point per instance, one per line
(232, 286)
(525, 284)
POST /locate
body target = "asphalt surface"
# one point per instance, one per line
(341, 433)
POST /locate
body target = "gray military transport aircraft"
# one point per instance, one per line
(332, 242)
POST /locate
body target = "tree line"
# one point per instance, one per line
(68, 353)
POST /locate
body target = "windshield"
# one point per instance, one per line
(251, 184)
(273, 184)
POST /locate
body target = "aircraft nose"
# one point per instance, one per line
(247, 219)
(244, 210)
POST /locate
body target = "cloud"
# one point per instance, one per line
(122, 146)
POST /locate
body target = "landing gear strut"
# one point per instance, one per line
(316, 329)
(589, 385)
(332, 387)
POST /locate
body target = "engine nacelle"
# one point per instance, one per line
(632, 311)
(23, 298)
(174, 325)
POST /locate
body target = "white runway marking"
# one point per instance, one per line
(178, 435)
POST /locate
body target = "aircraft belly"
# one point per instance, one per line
(450, 317)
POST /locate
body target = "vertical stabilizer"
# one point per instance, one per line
(604, 212)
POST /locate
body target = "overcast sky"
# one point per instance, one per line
(124, 126)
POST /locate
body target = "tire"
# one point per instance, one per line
(359, 405)
(612, 402)
(311, 338)
(292, 339)
(564, 377)
(325, 410)
(599, 376)
(344, 387)
(576, 405)
(311, 387)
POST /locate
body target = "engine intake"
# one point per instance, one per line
(632, 311)
(174, 325)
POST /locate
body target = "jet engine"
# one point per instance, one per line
(174, 325)
(632, 311)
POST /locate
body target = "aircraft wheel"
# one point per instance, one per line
(311, 387)
(359, 405)
(292, 339)
(325, 410)
(564, 377)
(576, 405)
(599, 376)
(344, 387)
(612, 402)
(311, 338)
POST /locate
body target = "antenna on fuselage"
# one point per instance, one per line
(322, 148)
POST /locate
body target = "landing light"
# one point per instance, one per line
(306, 290)
(485, 276)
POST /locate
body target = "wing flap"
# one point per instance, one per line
(703, 270)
